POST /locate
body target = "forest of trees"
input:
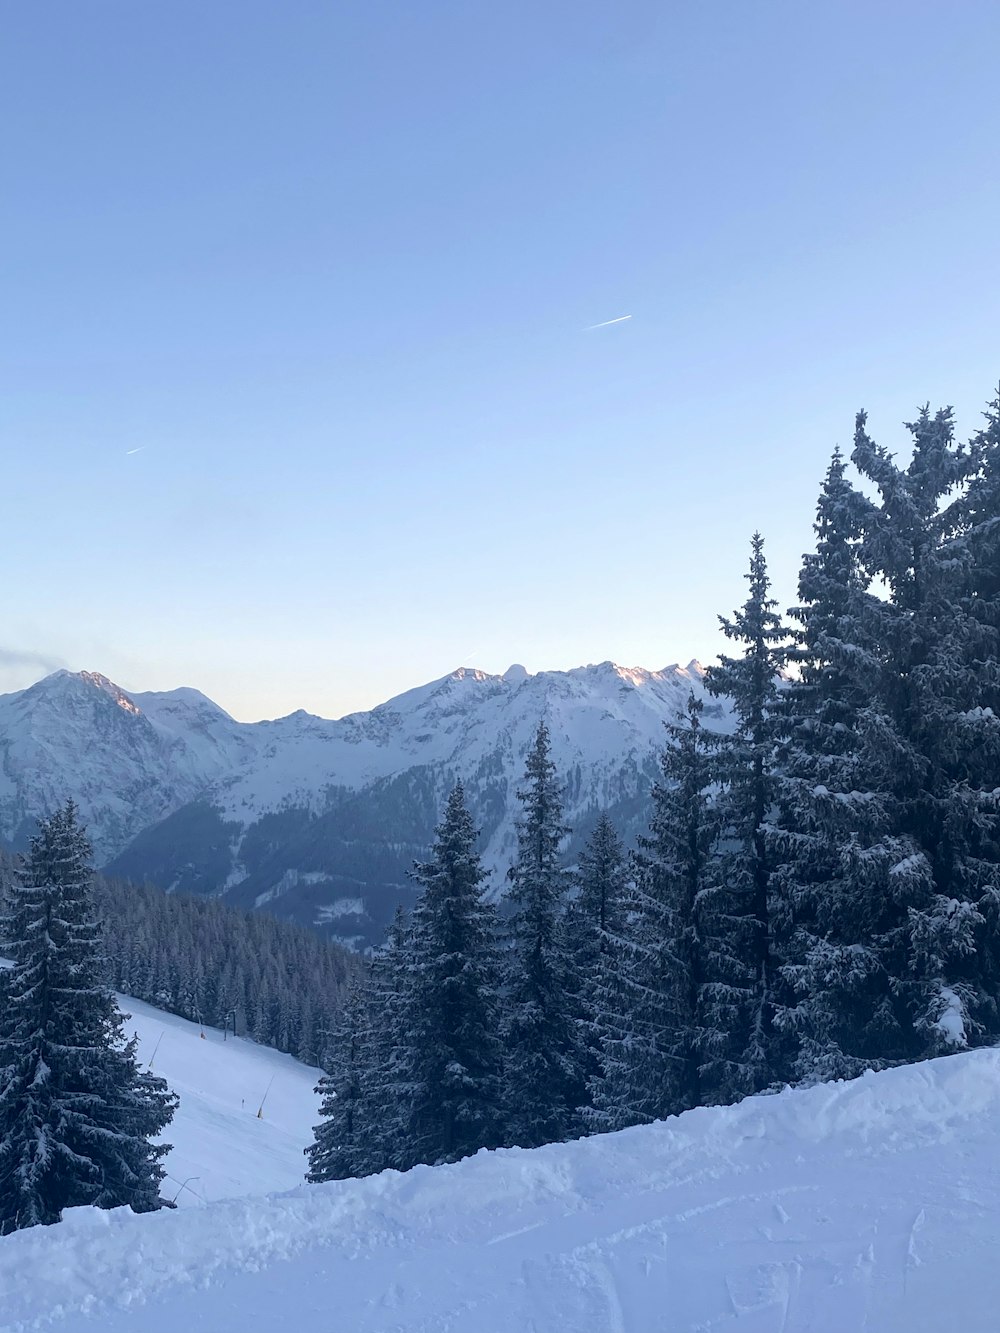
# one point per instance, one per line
(818, 892)
(279, 983)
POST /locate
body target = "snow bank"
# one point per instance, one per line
(871, 1205)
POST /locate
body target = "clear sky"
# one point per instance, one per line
(329, 267)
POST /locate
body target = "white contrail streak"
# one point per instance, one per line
(134, 451)
(605, 322)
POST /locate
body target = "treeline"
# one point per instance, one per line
(818, 893)
(279, 983)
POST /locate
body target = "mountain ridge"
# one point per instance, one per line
(311, 816)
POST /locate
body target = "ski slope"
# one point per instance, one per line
(864, 1207)
(221, 1148)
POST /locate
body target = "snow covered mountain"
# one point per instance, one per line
(844, 1208)
(126, 759)
(320, 820)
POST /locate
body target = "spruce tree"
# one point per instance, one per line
(830, 836)
(545, 1060)
(341, 1147)
(739, 916)
(649, 996)
(595, 919)
(931, 745)
(888, 820)
(450, 1043)
(77, 1117)
(976, 546)
(386, 1088)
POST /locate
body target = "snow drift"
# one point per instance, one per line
(872, 1205)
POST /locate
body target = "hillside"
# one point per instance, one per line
(292, 815)
(864, 1207)
(220, 1145)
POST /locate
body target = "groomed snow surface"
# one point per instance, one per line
(872, 1205)
(221, 1147)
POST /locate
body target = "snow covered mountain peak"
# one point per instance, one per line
(307, 813)
(109, 688)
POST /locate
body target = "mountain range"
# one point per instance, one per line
(320, 820)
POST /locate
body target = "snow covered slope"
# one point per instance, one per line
(127, 760)
(321, 820)
(221, 1148)
(866, 1207)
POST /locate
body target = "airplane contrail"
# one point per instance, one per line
(605, 322)
(134, 451)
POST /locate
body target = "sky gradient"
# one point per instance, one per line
(300, 403)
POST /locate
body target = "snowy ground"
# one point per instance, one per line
(217, 1136)
(871, 1206)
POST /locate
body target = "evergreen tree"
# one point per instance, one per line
(647, 1001)
(594, 921)
(977, 547)
(888, 818)
(451, 1051)
(386, 1088)
(830, 834)
(545, 1063)
(76, 1115)
(739, 917)
(931, 746)
(341, 1147)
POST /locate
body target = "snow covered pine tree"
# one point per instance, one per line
(341, 1148)
(449, 1045)
(829, 831)
(546, 1055)
(76, 1114)
(738, 910)
(594, 922)
(931, 745)
(646, 1001)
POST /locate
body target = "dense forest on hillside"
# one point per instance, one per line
(279, 983)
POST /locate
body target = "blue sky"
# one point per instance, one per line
(328, 268)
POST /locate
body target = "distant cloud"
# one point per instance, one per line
(605, 322)
(22, 657)
(135, 451)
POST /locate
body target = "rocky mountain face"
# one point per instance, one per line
(320, 820)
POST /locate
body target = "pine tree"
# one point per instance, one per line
(545, 1062)
(451, 1051)
(888, 818)
(830, 835)
(738, 914)
(647, 1002)
(76, 1115)
(341, 1146)
(976, 548)
(593, 921)
(385, 1079)
(594, 917)
(927, 735)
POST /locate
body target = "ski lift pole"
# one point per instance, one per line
(155, 1049)
(260, 1108)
